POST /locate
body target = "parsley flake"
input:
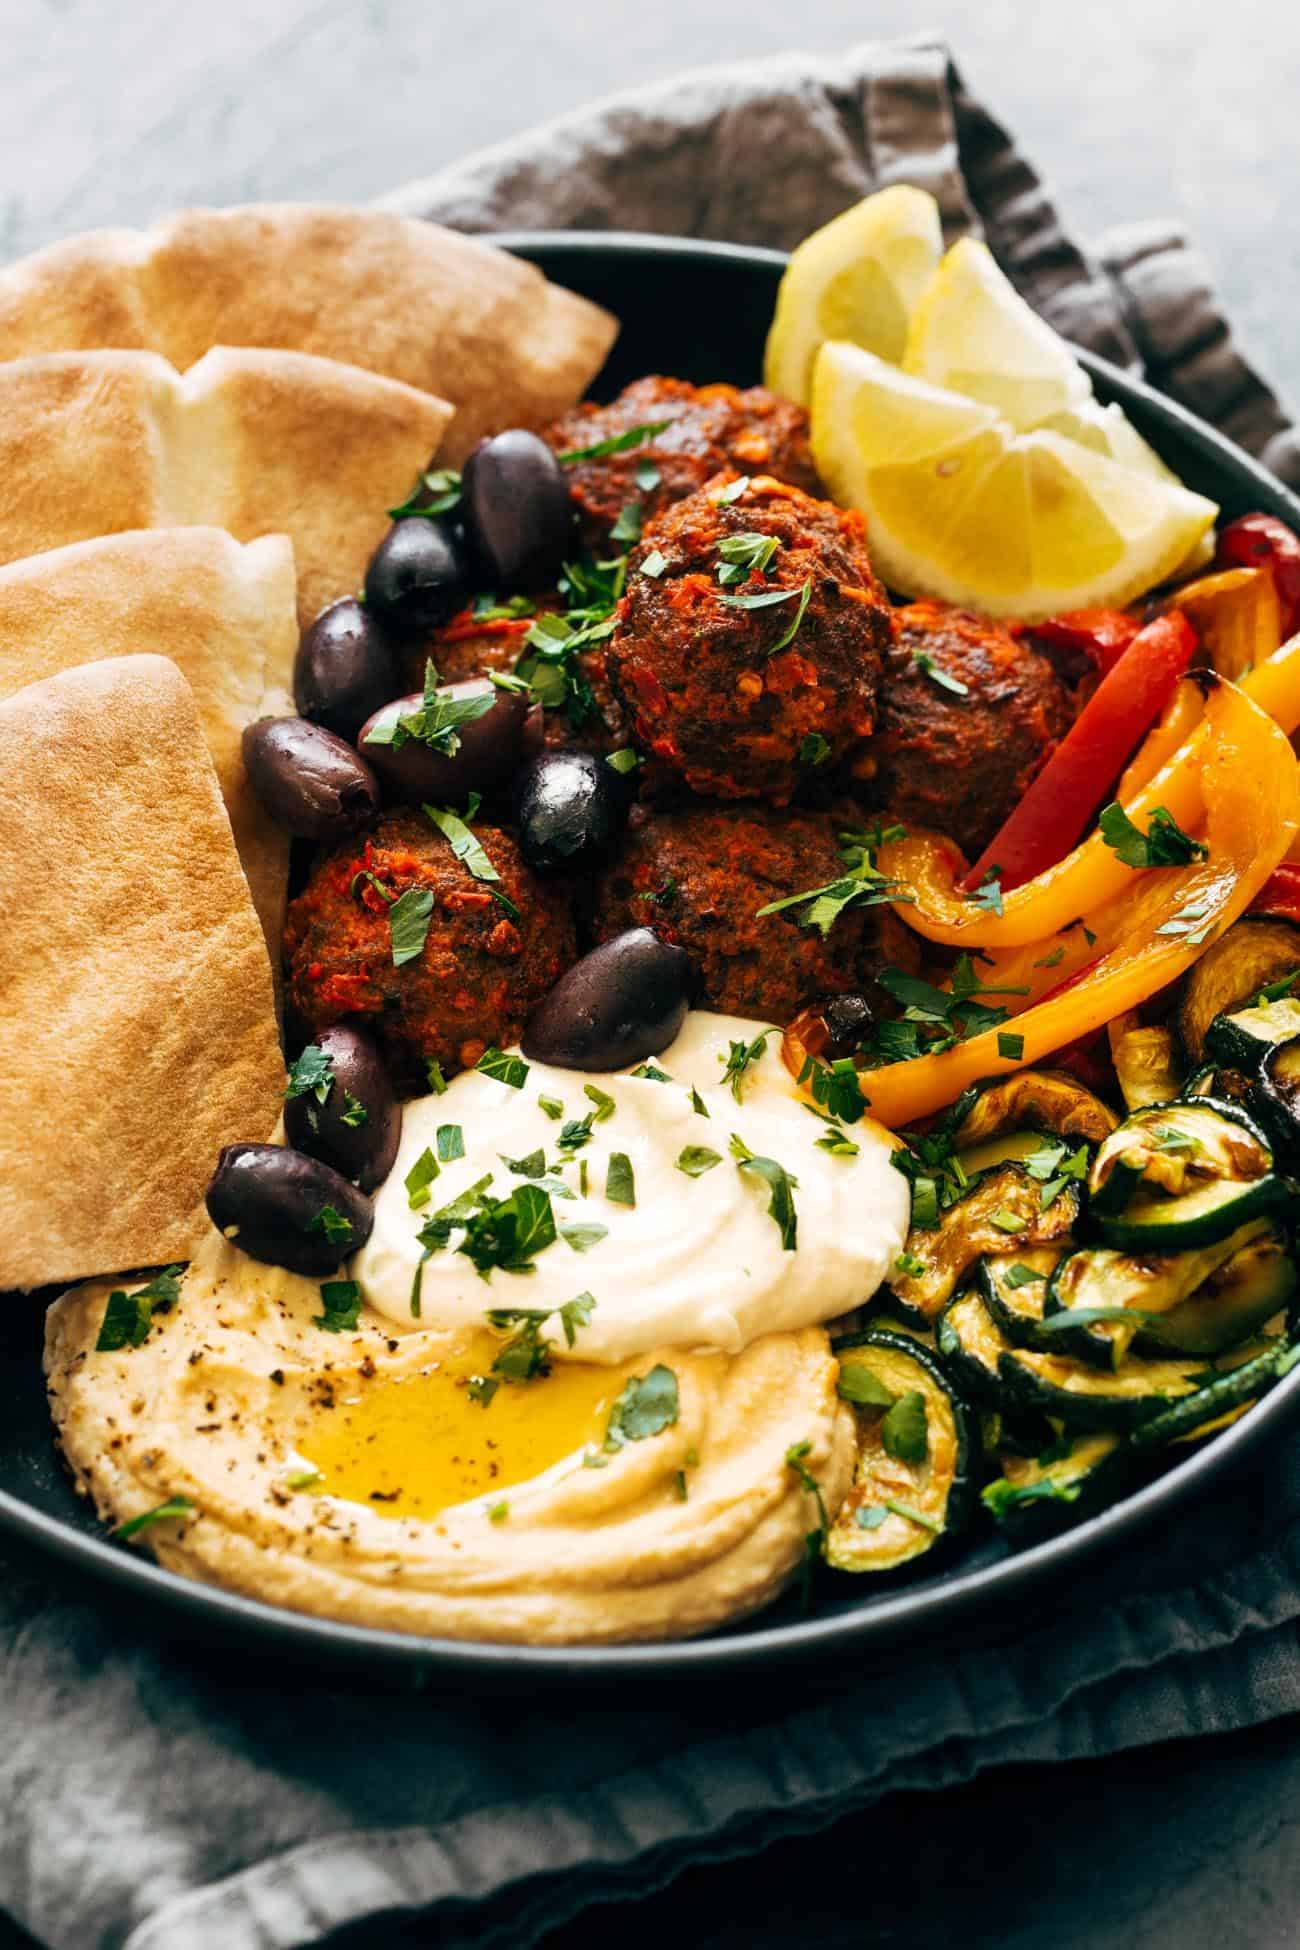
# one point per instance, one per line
(741, 1056)
(341, 1301)
(175, 1506)
(943, 679)
(408, 923)
(1164, 844)
(311, 1075)
(696, 1159)
(620, 1184)
(503, 1068)
(419, 1178)
(617, 443)
(780, 1184)
(128, 1316)
(647, 1406)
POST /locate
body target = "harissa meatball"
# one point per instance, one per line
(480, 973)
(698, 877)
(740, 679)
(710, 428)
(958, 760)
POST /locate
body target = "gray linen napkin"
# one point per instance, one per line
(157, 1795)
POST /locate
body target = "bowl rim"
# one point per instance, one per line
(880, 1614)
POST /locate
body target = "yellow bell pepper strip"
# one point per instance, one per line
(1145, 935)
(1237, 616)
(1174, 727)
(932, 866)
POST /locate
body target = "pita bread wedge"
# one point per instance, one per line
(421, 304)
(137, 1028)
(223, 613)
(95, 443)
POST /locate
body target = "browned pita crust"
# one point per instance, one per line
(94, 443)
(223, 613)
(137, 1030)
(402, 297)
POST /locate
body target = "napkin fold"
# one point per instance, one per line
(156, 1794)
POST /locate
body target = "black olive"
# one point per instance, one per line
(488, 748)
(345, 669)
(847, 1019)
(517, 512)
(624, 1001)
(287, 1209)
(310, 782)
(569, 809)
(416, 577)
(359, 1126)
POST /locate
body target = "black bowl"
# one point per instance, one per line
(700, 312)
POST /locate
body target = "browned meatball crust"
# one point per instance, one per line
(480, 973)
(959, 761)
(714, 690)
(698, 877)
(710, 428)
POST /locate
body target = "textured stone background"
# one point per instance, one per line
(115, 110)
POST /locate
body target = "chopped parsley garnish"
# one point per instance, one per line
(744, 555)
(617, 443)
(1021, 1275)
(437, 1081)
(332, 1223)
(651, 1073)
(419, 1178)
(437, 494)
(780, 1183)
(741, 1056)
(311, 1075)
(837, 1142)
(858, 1385)
(796, 1461)
(354, 1113)
(870, 1516)
(933, 1019)
(1190, 921)
(813, 749)
(502, 1068)
(491, 609)
(498, 1512)
(552, 1106)
(341, 1300)
(698, 1104)
(910, 1265)
(506, 1234)
(576, 1133)
(732, 492)
(943, 679)
(628, 526)
(175, 1506)
(437, 1229)
(469, 852)
(989, 892)
(1006, 1221)
(620, 1184)
(1053, 960)
(835, 1087)
(531, 1166)
(765, 599)
(481, 1387)
(1275, 991)
(647, 476)
(861, 885)
(904, 1431)
(1001, 1497)
(913, 1515)
(584, 1236)
(623, 760)
(1164, 844)
(662, 897)
(696, 1159)
(303, 1479)
(451, 1143)
(1051, 1167)
(408, 924)
(528, 1352)
(654, 564)
(605, 1105)
(127, 1316)
(1011, 1047)
(437, 720)
(647, 1406)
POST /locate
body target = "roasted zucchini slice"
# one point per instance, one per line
(972, 1345)
(1255, 952)
(1221, 1398)
(1047, 1101)
(1145, 1064)
(1100, 1302)
(1002, 1208)
(1181, 1175)
(1211, 1080)
(1242, 1040)
(1013, 1286)
(1074, 1477)
(918, 1454)
(1084, 1397)
(1275, 1099)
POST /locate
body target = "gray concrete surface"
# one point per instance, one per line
(116, 110)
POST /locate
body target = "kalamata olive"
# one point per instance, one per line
(488, 747)
(310, 782)
(518, 516)
(569, 810)
(359, 1126)
(416, 577)
(345, 669)
(287, 1209)
(847, 1019)
(624, 1001)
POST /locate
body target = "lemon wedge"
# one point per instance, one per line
(962, 506)
(858, 278)
(974, 333)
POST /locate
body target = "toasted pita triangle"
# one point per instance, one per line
(137, 1026)
(223, 613)
(401, 297)
(94, 443)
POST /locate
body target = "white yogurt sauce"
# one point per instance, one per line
(697, 1262)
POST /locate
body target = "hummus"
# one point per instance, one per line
(330, 1449)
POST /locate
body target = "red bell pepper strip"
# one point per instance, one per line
(1280, 893)
(1060, 802)
(1100, 635)
(1264, 542)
